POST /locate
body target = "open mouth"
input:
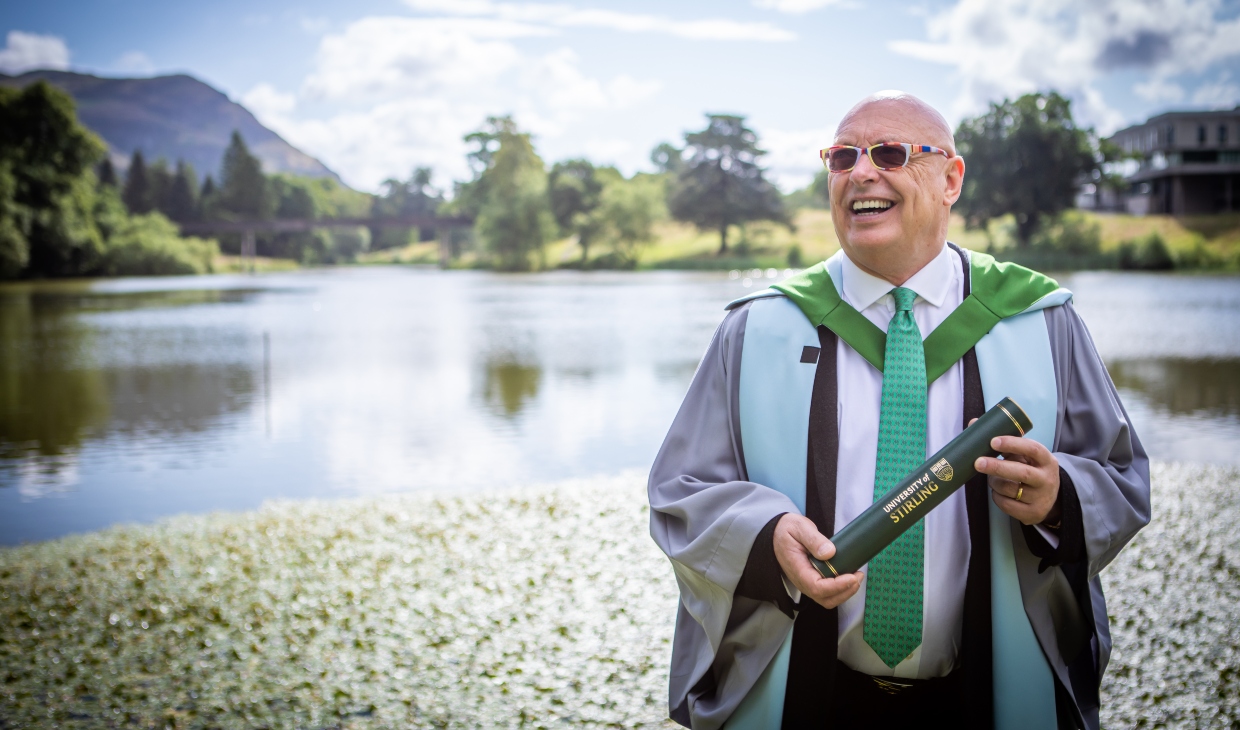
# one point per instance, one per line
(871, 207)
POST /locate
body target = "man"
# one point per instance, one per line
(817, 396)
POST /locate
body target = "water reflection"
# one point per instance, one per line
(1181, 386)
(131, 399)
(48, 403)
(63, 386)
(510, 385)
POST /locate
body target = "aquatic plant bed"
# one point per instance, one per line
(538, 607)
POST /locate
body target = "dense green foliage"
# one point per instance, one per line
(514, 219)
(717, 181)
(1025, 158)
(56, 217)
(575, 188)
(243, 193)
(405, 198)
(628, 211)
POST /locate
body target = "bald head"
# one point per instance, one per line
(891, 221)
(900, 109)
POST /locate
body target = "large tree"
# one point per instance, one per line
(181, 201)
(47, 185)
(576, 189)
(138, 195)
(243, 193)
(1025, 157)
(718, 182)
(416, 196)
(514, 218)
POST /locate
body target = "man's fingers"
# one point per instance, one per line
(808, 535)
(1022, 511)
(1026, 447)
(1013, 470)
(831, 592)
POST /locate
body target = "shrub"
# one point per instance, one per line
(148, 245)
(1146, 254)
(1070, 234)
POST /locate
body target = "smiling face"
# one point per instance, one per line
(892, 223)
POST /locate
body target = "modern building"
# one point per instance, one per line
(1186, 163)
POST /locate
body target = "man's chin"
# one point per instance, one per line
(874, 240)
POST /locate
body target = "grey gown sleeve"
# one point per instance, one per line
(705, 515)
(1095, 443)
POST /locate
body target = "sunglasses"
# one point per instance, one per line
(884, 156)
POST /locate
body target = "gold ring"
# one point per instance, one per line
(1019, 491)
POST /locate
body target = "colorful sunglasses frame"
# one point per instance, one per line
(909, 149)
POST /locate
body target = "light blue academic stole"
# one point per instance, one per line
(1014, 360)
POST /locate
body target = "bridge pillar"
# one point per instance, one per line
(249, 249)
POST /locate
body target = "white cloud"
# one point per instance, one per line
(792, 155)
(134, 62)
(1222, 93)
(27, 51)
(566, 16)
(377, 57)
(794, 7)
(1157, 89)
(388, 94)
(1008, 47)
(267, 102)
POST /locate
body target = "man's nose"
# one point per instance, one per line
(864, 171)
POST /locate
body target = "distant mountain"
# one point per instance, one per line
(173, 117)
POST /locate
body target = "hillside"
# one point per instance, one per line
(173, 117)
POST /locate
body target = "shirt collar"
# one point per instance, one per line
(931, 283)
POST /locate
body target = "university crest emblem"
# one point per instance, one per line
(943, 470)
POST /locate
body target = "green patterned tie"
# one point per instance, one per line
(893, 592)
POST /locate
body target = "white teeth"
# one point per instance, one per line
(860, 205)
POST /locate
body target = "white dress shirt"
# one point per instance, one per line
(940, 289)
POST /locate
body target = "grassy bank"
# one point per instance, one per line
(1195, 243)
(529, 608)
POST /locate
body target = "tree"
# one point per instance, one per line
(403, 198)
(138, 196)
(206, 198)
(243, 193)
(181, 201)
(161, 179)
(667, 158)
(107, 174)
(1025, 158)
(469, 196)
(47, 184)
(628, 211)
(718, 182)
(514, 216)
(575, 188)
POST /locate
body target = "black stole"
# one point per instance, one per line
(815, 639)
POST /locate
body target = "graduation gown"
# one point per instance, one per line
(707, 516)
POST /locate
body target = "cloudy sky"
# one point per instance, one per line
(376, 87)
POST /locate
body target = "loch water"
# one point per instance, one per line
(127, 400)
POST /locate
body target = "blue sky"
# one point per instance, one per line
(376, 87)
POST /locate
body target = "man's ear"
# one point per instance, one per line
(955, 180)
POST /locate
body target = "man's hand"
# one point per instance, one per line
(1028, 471)
(794, 537)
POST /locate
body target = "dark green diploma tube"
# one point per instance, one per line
(921, 491)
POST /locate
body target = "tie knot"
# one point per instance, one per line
(904, 298)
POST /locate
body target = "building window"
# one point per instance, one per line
(1201, 134)
(1170, 134)
(1222, 135)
